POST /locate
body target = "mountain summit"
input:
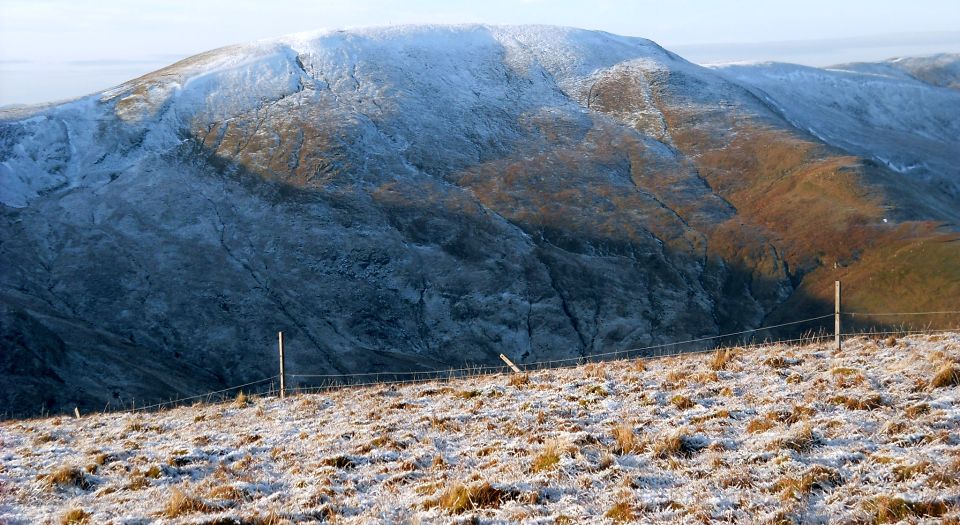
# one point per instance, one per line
(415, 198)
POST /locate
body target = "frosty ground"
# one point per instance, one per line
(769, 434)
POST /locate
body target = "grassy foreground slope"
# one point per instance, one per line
(870, 434)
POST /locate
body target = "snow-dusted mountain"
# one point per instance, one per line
(423, 197)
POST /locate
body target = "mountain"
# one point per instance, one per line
(420, 198)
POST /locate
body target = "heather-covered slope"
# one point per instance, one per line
(419, 198)
(772, 434)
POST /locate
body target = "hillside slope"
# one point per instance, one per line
(769, 434)
(417, 198)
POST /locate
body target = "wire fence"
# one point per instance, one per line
(207, 396)
(325, 382)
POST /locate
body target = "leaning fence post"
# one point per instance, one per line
(836, 316)
(509, 363)
(283, 374)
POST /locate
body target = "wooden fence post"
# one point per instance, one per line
(836, 316)
(510, 363)
(283, 374)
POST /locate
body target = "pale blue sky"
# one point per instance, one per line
(55, 49)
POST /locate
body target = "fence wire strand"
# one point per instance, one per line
(885, 314)
(208, 394)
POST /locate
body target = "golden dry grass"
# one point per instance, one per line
(777, 362)
(76, 517)
(759, 425)
(622, 512)
(815, 478)
(67, 476)
(907, 472)
(595, 370)
(893, 509)
(869, 402)
(340, 462)
(626, 440)
(947, 375)
(181, 503)
(721, 358)
(460, 498)
(799, 439)
(241, 400)
(548, 458)
(919, 409)
(519, 380)
(680, 443)
(682, 402)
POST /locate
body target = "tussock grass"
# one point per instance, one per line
(799, 413)
(228, 492)
(721, 358)
(519, 380)
(135, 426)
(919, 409)
(815, 478)
(460, 498)
(682, 402)
(869, 402)
(103, 458)
(598, 390)
(907, 472)
(719, 414)
(626, 440)
(181, 503)
(844, 371)
(894, 427)
(43, 439)
(678, 444)
(241, 400)
(76, 517)
(622, 512)
(893, 509)
(947, 475)
(549, 456)
(704, 377)
(595, 370)
(947, 375)
(799, 440)
(65, 477)
(759, 425)
(340, 462)
(777, 362)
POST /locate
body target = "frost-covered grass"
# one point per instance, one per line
(773, 434)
